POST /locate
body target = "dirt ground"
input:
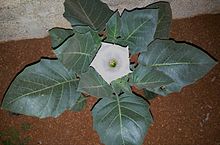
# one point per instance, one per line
(191, 117)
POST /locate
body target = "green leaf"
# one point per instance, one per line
(92, 83)
(83, 29)
(59, 35)
(121, 85)
(135, 29)
(149, 78)
(164, 19)
(149, 95)
(113, 28)
(78, 51)
(122, 120)
(80, 104)
(182, 62)
(43, 89)
(86, 29)
(91, 13)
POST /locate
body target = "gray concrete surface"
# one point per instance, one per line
(25, 19)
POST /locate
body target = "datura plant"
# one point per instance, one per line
(94, 59)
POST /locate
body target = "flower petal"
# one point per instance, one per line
(105, 55)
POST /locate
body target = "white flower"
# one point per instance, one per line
(111, 62)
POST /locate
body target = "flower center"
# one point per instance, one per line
(112, 63)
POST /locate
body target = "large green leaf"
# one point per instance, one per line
(42, 90)
(121, 85)
(80, 104)
(91, 13)
(92, 83)
(135, 29)
(59, 35)
(87, 29)
(122, 120)
(149, 95)
(149, 78)
(77, 52)
(182, 62)
(164, 19)
(113, 28)
(83, 29)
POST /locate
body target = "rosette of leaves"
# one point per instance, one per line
(49, 87)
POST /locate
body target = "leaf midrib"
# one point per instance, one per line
(149, 83)
(135, 30)
(94, 87)
(120, 115)
(77, 53)
(176, 63)
(90, 21)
